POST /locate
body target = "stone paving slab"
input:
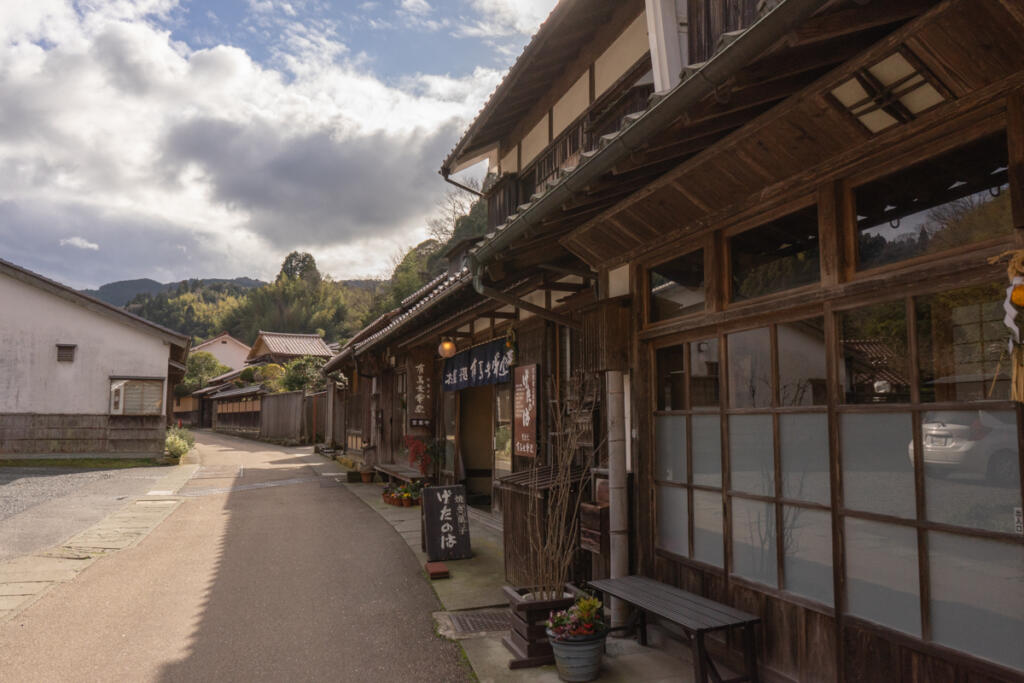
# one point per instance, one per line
(24, 580)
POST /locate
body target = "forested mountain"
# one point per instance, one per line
(123, 291)
(301, 299)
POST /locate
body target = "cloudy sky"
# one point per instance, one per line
(208, 138)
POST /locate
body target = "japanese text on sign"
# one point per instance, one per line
(487, 364)
(446, 523)
(524, 422)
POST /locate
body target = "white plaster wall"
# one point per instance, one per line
(231, 353)
(535, 142)
(510, 162)
(33, 322)
(573, 103)
(630, 46)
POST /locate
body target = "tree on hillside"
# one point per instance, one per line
(200, 368)
(299, 265)
(303, 373)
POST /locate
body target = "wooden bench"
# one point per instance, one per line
(697, 615)
(400, 472)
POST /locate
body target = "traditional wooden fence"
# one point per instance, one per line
(281, 418)
(315, 416)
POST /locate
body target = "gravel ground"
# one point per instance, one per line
(43, 506)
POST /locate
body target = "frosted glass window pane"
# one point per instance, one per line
(671, 377)
(750, 369)
(882, 574)
(878, 475)
(971, 466)
(803, 440)
(753, 541)
(672, 520)
(704, 373)
(707, 449)
(708, 544)
(670, 447)
(802, 376)
(977, 597)
(751, 454)
(807, 540)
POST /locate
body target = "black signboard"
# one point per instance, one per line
(446, 523)
(489, 363)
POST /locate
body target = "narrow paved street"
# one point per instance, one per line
(265, 572)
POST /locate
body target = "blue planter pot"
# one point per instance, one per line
(579, 657)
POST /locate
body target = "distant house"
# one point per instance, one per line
(281, 347)
(81, 376)
(226, 349)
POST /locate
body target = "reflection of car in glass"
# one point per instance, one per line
(978, 442)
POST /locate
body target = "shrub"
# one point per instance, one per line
(176, 446)
(183, 434)
(248, 374)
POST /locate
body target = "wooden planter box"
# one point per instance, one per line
(527, 639)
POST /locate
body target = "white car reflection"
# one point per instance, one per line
(975, 442)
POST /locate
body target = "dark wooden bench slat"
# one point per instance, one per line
(659, 589)
(693, 612)
(696, 614)
(713, 610)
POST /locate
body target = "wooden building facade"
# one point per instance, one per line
(799, 230)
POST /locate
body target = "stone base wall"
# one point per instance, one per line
(33, 434)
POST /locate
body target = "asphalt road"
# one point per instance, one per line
(43, 506)
(263, 573)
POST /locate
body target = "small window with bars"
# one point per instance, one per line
(65, 353)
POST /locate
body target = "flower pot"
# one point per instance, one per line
(578, 658)
(367, 477)
(527, 639)
(407, 502)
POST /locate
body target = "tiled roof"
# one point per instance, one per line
(293, 344)
(235, 392)
(429, 294)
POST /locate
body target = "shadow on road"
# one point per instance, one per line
(310, 584)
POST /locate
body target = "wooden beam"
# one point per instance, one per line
(564, 286)
(582, 272)
(539, 311)
(858, 18)
(1015, 139)
(502, 315)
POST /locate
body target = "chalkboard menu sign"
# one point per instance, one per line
(524, 421)
(446, 523)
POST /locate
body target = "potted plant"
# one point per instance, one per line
(577, 636)
(551, 527)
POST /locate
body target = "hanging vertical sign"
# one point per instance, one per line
(524, 419)
(446, 523)
(421, 404)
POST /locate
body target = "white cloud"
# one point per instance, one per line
(417, 6)
(507, 17)
(103, 114)
(79, 242)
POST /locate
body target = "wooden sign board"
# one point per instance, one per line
(446, 523)
(524, 419)
(421, 404)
